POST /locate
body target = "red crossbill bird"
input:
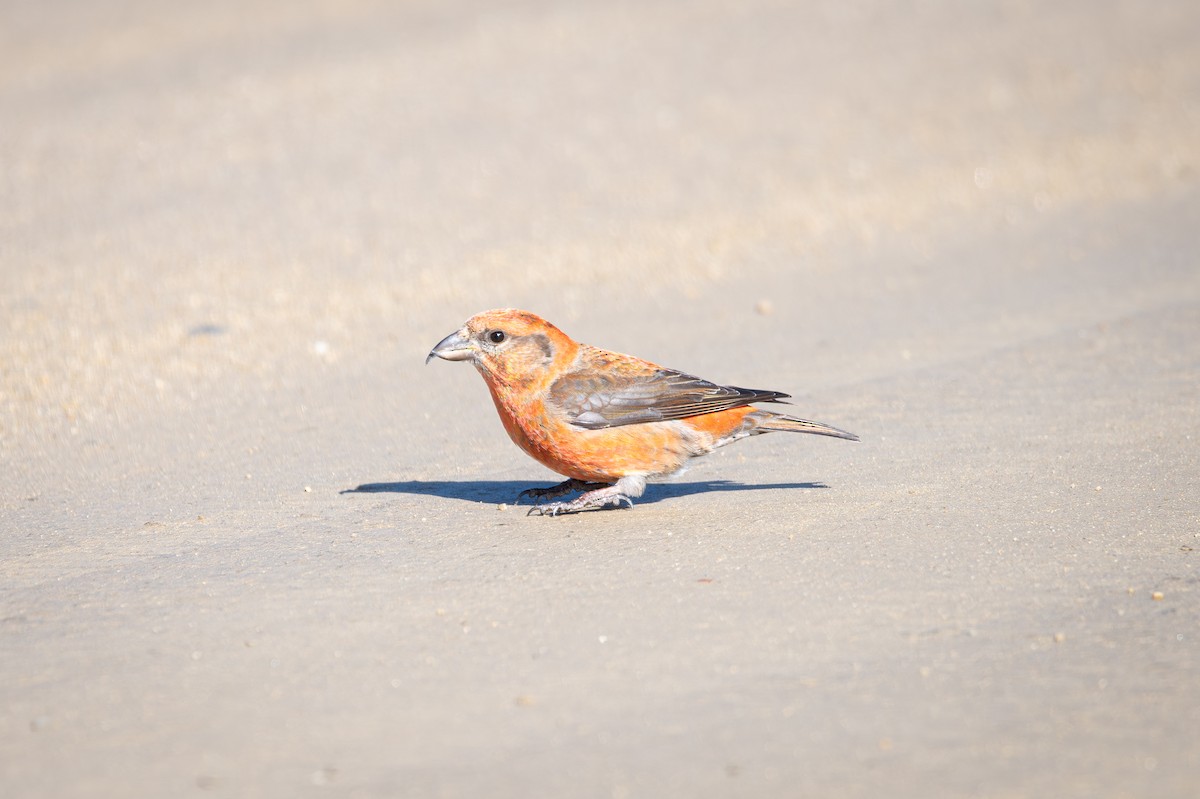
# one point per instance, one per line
(609, 422)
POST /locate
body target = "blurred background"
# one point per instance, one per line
(239, 194)
(231, 231)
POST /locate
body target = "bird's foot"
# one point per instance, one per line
(556, 491)
(592, 500)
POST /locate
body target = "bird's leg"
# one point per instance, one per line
(556, 491)
(626, 488)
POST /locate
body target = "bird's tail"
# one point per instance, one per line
(788, 424)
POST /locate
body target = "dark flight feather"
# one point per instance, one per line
(598, 400)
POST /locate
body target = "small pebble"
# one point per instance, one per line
(308, 489)
(1157, 596)
(502, 506)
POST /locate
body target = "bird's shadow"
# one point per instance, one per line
(507, 490)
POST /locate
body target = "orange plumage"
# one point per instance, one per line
(609, 422)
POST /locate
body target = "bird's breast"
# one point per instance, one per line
(655, 449)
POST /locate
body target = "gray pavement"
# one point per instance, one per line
(251, 546)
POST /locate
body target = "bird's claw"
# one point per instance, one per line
(555, 491)
(592, 500)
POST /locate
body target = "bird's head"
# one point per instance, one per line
(506, 345)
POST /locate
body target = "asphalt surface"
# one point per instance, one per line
(251, 546)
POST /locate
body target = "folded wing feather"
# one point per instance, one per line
(597, 399)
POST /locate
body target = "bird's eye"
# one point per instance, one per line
(496, 336)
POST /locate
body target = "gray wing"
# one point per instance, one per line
(595, 400)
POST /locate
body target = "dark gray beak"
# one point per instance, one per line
(454, 347)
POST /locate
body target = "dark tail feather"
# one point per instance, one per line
(788, 424)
